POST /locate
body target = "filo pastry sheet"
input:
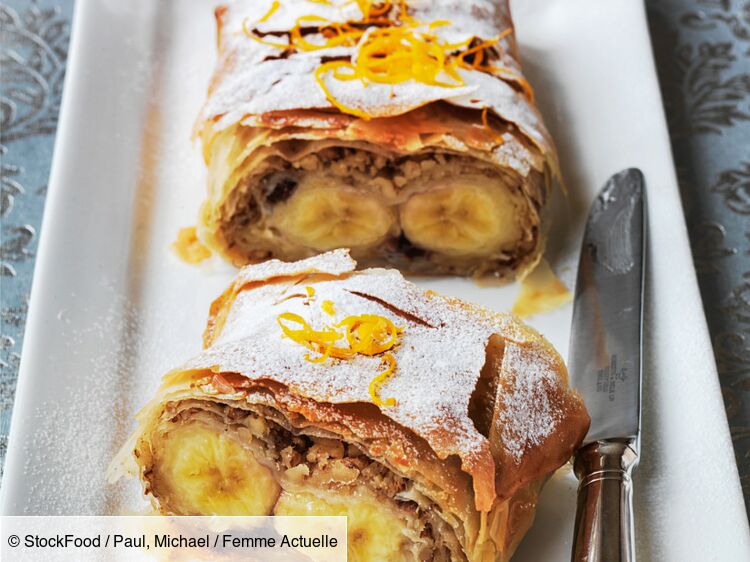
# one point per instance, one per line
(435, 160)
(434, 438)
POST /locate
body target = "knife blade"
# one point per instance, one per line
(605, 367)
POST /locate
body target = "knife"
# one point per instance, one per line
(605, 367)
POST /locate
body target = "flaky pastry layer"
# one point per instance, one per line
(481, 415)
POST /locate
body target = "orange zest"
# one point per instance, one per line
(479, 53)
(252, 35)
(327, 307)
(275, 6)
(485, 121)
(335, 34)
(410, 51)
(376, 383)
(365, 334)
(319, 73)
(404, 12)
(369, 334)
(371, 9)
(393, 55)
(319, 341)
(391, 50)
(522, 82)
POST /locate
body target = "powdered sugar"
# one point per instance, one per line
(334, 263)
(528, 414)
(77, 432)
(479, 18)
(438, 358)
(252, 80)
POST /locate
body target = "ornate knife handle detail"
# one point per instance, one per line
(604, 517)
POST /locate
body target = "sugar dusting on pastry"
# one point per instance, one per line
(336, 262)
(528, 415)
(260, 81)
(365, 334)
(439, 356)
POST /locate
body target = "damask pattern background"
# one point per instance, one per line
(33, 46)
(702, 49)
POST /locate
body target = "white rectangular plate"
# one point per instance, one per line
(112, 308)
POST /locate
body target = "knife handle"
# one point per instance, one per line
(604, 517)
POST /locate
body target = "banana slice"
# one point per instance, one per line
(374, 532)
(468, 216)
(202, 472)
(324, 218)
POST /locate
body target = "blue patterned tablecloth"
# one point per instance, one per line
(702, 49)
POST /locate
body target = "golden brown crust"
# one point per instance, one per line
(506, 459)
(248, 120)
(482, 465)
